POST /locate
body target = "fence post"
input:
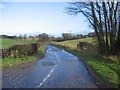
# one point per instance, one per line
(78, 47)
(81, 46)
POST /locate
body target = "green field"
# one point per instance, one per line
(106, 68)
(73, 43)
(11, 62)
(9, 42)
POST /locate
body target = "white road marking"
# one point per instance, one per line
(54, 47)
(67, 53)
(70, 54)
(19, 76)
(46, 78)
(57, 56)
(16, 77)
(76, 57)
(49, 49)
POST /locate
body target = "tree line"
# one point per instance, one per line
(104, 19)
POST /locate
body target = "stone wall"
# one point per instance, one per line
(19, 51)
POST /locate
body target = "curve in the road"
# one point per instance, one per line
(58, 69)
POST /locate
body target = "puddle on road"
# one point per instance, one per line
(48, 63)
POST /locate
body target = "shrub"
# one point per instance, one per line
(19, 51)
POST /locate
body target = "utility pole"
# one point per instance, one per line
(70, 35)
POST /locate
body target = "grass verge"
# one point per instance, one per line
(10, 42)
(106, 69)
(11, 62)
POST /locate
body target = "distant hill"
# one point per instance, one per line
(6, 36)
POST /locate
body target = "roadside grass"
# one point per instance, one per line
(73, 43)
(107, 69)
(0, 64)
(105, 72)
(9, 42)
(12, 62)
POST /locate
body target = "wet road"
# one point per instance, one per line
(58, 69)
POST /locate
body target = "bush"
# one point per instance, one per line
(19, 51)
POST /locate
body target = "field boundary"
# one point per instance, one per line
(37, 56)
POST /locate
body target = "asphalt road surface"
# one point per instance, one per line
(58, 69)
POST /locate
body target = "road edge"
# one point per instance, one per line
(100, 82)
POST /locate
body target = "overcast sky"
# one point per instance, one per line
(40, 17)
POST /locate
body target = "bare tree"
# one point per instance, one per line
(102, 16)
(25, 36)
